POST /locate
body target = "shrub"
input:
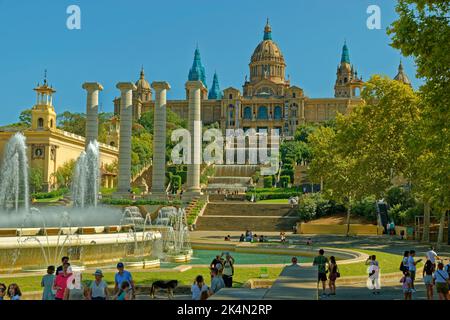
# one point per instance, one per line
(52, 194)
(365, 208)
(176, 183)
(307, 208)
(268, 182)
(285, 181)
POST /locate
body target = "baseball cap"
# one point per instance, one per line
(120, 265)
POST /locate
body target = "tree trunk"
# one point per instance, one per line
(348, 219)
(440, 238)
(426, 221)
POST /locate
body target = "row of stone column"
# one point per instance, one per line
(159, 135)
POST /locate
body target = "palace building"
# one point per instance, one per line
(267, 100)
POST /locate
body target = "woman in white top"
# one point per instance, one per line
(198, 288)
(373, 281)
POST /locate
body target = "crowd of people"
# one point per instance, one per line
(221, 271)
(63, 283)
(435, 274)
(249, 236)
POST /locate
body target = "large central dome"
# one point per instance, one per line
(267, 61)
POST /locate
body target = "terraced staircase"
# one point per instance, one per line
(240, 216)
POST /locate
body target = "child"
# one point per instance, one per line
(47, 283)
(125, 292)
(407, 285)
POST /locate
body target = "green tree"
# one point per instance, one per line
(36, 178)
(25, 117)
(64, 174)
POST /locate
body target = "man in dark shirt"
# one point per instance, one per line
(60, 268)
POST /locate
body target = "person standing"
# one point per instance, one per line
(412, 268)
(98, 290)
(321, 262)
(2, 291)
(442, 281)
(404, 265)
(407, 285)
(427, 275)
(47, 283)
(124, 292)
(334, 274)
(217, 282)
(75, 289)
(432, 256)
(60, 268)
(14, 292)
(373, 281)
(228, 271)
(198, 287)
(122, 276)
(61, 280)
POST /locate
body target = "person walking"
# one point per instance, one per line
(2, 291)
(14, 292)
(61, 281)
(198, 287)
(404, 265)
(98, 289)
(334, 274)
(432, 256)
(321, 262)
(47, 283)
(427, 275)
(407, 285)
(442, 281)
(412, 268)
(373, 281)
(121, 276)
(228, 271)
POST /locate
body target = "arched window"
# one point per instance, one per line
(231, 96)
(293, 95)
(277, 113)
(247, 113)
(112, 144)
(51, 123)
(262, 113)
(356, 92)
(40, 123)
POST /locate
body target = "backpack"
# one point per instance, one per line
(403, 268)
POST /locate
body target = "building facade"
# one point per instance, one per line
(48, 147)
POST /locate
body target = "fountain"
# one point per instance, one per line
(176, 245)
(90, 234)
(86, 180)
(14, 175)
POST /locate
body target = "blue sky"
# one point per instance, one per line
(117, 37)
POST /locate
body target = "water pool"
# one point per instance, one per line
(241, 258)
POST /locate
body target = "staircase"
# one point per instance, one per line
(226, 216)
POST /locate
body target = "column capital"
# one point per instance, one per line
(160, 85)
(125, 86)
(92, 86)
(194, 85)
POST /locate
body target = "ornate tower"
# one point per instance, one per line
(267, 68)
(215, 93)
(43, 115)
(348, 85)
(113, 135)
(142, 94)
(401, 75)
(197, 73)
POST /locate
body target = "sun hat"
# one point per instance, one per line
(98, 272)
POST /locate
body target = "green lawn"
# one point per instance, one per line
(389, 263)
(277, 201)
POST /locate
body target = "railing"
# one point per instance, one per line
(83, 139)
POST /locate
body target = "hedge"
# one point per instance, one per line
(139, 202)
(285, 181)
(51, 194)
(268, 182)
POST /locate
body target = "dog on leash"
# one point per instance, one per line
(168, 285)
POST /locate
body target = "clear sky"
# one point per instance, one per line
(117, 37)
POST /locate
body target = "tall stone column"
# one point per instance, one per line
(126, 114)
(194, 125)
(159, 140)
(92, 89)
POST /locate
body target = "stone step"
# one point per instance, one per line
(213, 223)
(249, 209)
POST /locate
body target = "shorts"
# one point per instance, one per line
(413, 275)
(408, 290)
(322, 276)
(428, 280)
(442, 288)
